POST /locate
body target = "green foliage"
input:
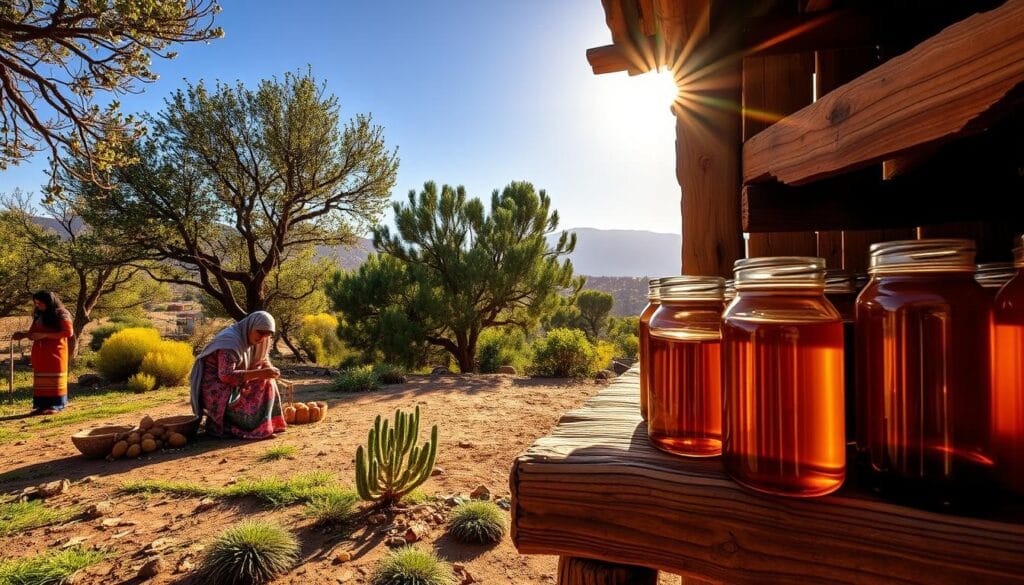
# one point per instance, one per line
(272, 491)
(141, 383)
(335, 508)
(502, 347)
(392, 465)
(458, 268)
(278, 452)
(627, 346)
(566, 316)
(389, 374)
(477, 522)
(49, 568)
(594, 307)
(318, 336)
(170, 362)
(23, 268)
(358, 379)
(411, 566)
(122, 353)
(216, 153)
(253, 551)
(624, 333)
(18, 516)
(128, 320)
(103, 332)
(564, 353)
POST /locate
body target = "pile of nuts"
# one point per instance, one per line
(148, 437)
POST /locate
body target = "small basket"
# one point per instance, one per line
(99, 441)
(290, 402)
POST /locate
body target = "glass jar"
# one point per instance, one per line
(645, 340)
(1008, 379)
(684, 402)
(730, 290)
(840, 292)
(993, 275)
(783, 379)
(923, 326)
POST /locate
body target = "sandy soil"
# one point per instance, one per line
(496, 416)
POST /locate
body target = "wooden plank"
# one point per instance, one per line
(596, 488)
(801, 33)
(830, 247)
(949, 85)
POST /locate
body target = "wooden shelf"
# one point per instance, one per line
(596, 488)
(953, 84)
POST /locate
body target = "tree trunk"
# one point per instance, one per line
(288, 342)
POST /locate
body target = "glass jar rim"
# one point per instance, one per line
(692, 288)
(779, 272)
(994, 274)
(926, 255)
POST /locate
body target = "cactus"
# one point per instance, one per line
(392, 465)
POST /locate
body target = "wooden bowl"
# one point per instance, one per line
(185, 424)
(99, 441)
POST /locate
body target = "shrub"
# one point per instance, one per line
(564, 353)
(502, 347)
(170, 362)
(359, 379)
(49, 568)
(117, 323)
(477, 522)
(627, 346)
(131, 321)
(121, 355)
(253, 551)
(390, 374)
(140, 383)
(410, 566)
(318, 336)
(333, 508)
(604, 352)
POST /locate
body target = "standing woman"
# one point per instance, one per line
(50, 332)
(233, 381)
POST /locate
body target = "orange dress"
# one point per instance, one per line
(50, 365)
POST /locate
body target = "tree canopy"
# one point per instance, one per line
(55, 55)
(458, 268)
(234, 179)
(594, 307)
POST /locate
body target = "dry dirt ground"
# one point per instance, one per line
(493, 417)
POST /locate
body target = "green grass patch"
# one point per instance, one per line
(477, 522)
(50, 568)
(416, 497)
(254, 551)
(18, 516)
(333, 507)
(358, 379)
(411, 566)
(279, 452)
(273, 491)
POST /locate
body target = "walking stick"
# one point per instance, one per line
(10, 377)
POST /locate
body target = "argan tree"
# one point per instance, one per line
(234, 179)
(56, 55)
(594, 307)
(466, 268)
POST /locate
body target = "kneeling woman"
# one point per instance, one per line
(233, 381)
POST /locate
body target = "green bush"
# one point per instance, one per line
(502, 347)
(359, 379)
(117, 323)
(170, 362)
(477, 522)
(390, 374)
(627, 346)
(122, 354)
(141, 383)
(564, 353)
(253, 551)
(318, 336)
(411, 566)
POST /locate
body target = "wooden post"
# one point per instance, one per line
(577, 571)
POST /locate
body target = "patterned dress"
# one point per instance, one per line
(50, 365)
(250, 410)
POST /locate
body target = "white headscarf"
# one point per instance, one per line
(234, 338)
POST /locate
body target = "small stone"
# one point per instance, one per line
(395, 541)
(466, 444)
(342, 557)
(91, 380)
(437, 471)
(511, 370)
(480, 493)
(376, 519)
(504, 503)
(206, 504)
(416, 532)
(19, 443)
(345, 576)
(89, 479)
(151, 569)
(75, 541)
(184, 566)
(223, 461)
(440, 371)
(321, 453)
(437, 519)
(99, 509)
(54, 488)
(605, 375)
(158, 545)
(459, 567)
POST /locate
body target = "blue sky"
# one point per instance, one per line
(473, 92)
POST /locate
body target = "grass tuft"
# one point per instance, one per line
(279, 452)
(333, 507)
(18, 516)
(411, 566)
(359, 379)
(254, 551)
(49, 568)
(477, 522)
(274, 491)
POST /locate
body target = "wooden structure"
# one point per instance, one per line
(804, 127)
(597, 488)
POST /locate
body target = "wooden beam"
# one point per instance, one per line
(950, 85)
(597, 488)
(799, 33)
(613, 59)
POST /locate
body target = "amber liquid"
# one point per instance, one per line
(924, 407)
(685, 400)
(844, 303)
(645, 354)
(1008, 386)
(783, 388)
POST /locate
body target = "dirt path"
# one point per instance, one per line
(494, 417)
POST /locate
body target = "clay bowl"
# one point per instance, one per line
(99, 441)
(185, 424)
